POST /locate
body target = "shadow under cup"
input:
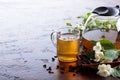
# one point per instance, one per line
(68, 45)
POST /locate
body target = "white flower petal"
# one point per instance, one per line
(104, 73)
(97, 47)
(105, 70)
(98, 56)
(98, 43)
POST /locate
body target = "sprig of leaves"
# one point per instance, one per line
(96, 23)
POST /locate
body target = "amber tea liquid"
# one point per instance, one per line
(68, 47)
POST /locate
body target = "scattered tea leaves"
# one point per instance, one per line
(57, 67)
(62, 68)
(49, 69)
(53, 59)
(44, 66)
(55, 56)
(72, 68)
(51, 72)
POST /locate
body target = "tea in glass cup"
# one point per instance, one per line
(68, 45)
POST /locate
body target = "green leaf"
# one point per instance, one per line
(118, 52)
(93, 42)
(68, 24)
(88, 14)
(116, 72)
(110, 55)
(106, 44)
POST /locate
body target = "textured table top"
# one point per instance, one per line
(26, 51)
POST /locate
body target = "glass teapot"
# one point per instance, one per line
(101, 24)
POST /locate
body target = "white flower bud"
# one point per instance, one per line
(97, 47)
(98, 56)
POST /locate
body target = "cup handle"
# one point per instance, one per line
(53, 38)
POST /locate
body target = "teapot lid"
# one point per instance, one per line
(107, 11)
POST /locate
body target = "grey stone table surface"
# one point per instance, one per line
(25, 27)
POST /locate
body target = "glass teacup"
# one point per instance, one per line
(67, 44)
